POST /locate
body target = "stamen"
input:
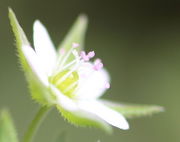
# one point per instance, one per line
(91, 54)
(74, 63)
(84, 56)
(87, 57)
(98, 65)
(69, 64)
(97, 61)
(61, 54)
(69, 73)
(107, 85)
(76, 55)
(75, 45)
(66, 57)
(62, 51)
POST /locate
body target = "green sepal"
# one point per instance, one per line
(85, 121)
(39, 92)
(7, 129)
(75, 35)
(133, 110)
(20, 36)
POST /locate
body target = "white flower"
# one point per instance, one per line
(76, 84)
(68, 79)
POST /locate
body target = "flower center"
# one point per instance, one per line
(66, 77)
(65, 82)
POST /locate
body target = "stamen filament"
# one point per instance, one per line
(69, 64)
(66, 57)
(59, 60)
(68, 73)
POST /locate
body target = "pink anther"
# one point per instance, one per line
(107, 85)
(75, 45)
(62, 51)
(98, 65)
(97, 61)
(84, 56)
(91, 54)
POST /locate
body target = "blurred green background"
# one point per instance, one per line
(139, 42)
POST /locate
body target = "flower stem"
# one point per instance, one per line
(29, 135)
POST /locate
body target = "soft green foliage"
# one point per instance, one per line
(61, 137)
(39, 92)
(7, 130)
(134, 110)
(75, 35)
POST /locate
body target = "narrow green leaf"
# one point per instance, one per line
(134, 110)
(39, 92)
(75, 35)
(7, 130)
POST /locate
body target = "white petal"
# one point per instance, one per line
(91, 109)
(110, 116)
(71, 105)
(44, 47)
(92, 83)
(35, 64)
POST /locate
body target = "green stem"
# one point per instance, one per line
(29, 135)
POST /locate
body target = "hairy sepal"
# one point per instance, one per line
(81, 121)
(133, 110)
(40, 93)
